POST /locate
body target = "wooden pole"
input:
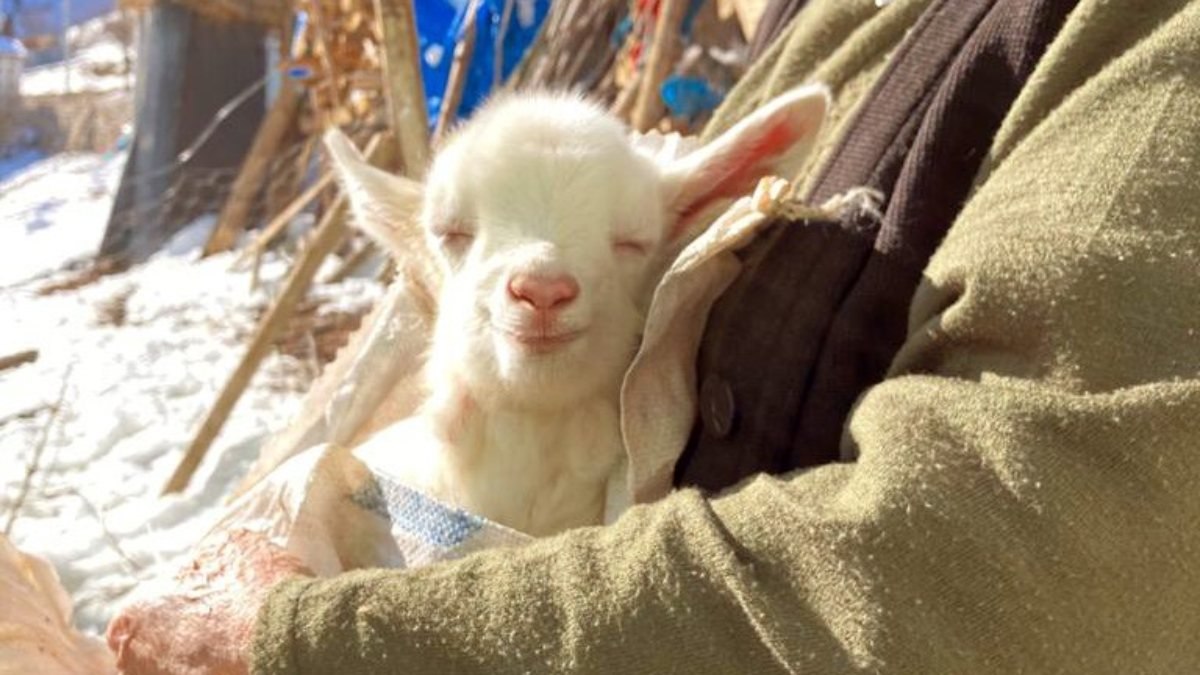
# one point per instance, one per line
(648, 109)
(581, 57)
(354, 261)
(35, 460)
(403, 87)
(280, 221)
(622, 107)
(498, 49)
(328, 234)
(163, 36)
(287, 181)
(254, 171)
(18, 359)
(457, 80)
(522, 74)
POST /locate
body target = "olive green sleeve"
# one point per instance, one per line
(1025, 496)
(590, 601)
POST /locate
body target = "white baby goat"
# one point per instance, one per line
(551, 229)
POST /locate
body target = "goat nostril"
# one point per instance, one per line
(541, 292)
(564, 291)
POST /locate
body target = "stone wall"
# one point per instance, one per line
(85, 122)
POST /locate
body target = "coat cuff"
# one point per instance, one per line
(274, 648)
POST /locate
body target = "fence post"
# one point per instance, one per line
(181, 51)
(663, 54)
(403, 86)
(162, 60)
(254, 171)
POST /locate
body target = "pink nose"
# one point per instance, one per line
(542, 292)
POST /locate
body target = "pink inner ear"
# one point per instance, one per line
(735, 172)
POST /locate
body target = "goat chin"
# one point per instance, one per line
(537, 471)
(530, 446)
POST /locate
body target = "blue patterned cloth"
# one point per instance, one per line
(426, 530)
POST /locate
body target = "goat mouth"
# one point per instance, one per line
(542, 343)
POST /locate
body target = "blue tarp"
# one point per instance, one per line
(439, 23)
(11, 47)
(690, 97)
(439, 28)
(38, 18)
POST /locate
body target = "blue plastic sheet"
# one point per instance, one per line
(11, 47)
(690, 97)
(439, 23)
(439, 27)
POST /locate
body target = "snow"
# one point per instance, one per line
(139, 358)
(53, 211)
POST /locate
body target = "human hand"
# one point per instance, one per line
(205, 622)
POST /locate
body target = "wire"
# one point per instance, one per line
(225, 111)
(186, 155)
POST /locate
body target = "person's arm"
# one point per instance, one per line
(1025, 496)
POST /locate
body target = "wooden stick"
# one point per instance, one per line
(605, 88)
(566, 26)
(623, 106)
(498, 49)
(458, 73)
(280, 222)
(18, 359)
(387, 273)
(648, 109)
(258, 162)
(403, 87)
(35, 461)
(329, 233)
(581, 58)
(352, 263)
(562, 19)
(256, 271)
(554, 60)
(282, 189)
(523, 72)
(532, 72)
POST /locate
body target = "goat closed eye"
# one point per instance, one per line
(454, 240)
(631, 247)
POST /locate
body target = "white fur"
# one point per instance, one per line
(521, 423)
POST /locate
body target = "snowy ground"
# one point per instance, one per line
(139, 358)
(53, 211)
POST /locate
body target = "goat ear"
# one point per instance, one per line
(384, 205)
(773, 140)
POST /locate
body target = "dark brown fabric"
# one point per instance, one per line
(774, 20)
(820, 309)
